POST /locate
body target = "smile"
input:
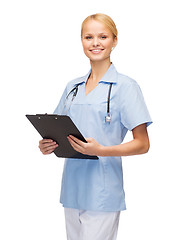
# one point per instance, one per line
(96, 50)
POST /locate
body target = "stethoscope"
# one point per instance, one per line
(75, 90)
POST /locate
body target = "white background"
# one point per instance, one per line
(40, 51)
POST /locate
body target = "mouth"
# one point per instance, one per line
(96, 50)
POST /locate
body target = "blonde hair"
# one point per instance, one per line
(103, 18)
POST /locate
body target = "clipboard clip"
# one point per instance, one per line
(46, 114)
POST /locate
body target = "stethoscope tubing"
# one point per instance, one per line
(75, 89)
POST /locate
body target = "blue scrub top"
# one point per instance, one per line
(97, 185)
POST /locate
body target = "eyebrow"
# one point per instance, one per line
(92, 34)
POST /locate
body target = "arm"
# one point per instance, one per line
(139, 145)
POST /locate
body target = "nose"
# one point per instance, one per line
(96, 42)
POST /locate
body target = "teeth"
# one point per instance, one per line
(96, 50)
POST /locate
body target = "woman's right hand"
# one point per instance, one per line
(47, 146)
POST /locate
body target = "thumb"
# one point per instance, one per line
(88, 140)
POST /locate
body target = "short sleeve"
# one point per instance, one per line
(134, 111)
(60, 107)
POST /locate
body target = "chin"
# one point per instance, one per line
(98, 59)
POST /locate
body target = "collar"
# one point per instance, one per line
(109, 77)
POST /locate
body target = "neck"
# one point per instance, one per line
(98, 69)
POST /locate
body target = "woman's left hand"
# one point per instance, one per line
(92, 147)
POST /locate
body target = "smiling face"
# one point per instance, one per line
(97, 41)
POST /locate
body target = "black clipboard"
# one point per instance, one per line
(57, 128)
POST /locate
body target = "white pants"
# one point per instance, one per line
(89, 225)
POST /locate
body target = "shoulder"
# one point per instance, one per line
(125, 81)
(120, 79)
(126, 87)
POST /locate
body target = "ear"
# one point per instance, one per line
(115, 42)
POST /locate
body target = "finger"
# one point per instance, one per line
(51, 147)
(49, 150)
(45, 146)
(81, 143)
(45, 141)
(88, 139)
(76, 146)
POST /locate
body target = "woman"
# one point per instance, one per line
(106, 106)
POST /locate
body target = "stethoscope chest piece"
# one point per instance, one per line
(108, 118)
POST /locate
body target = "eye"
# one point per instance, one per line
(103, 37)
(88, 37)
